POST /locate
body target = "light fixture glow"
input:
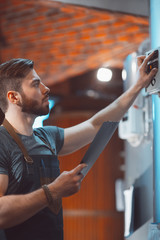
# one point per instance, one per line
(134, 67)
(104, 74)
(124, 74)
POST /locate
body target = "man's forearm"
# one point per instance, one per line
(116, 110)
(15, 209)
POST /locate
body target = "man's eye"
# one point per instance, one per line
(36, 84)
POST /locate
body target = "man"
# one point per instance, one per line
(27, 210)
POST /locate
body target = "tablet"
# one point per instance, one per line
(98, 144)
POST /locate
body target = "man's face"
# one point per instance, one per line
(34, 95)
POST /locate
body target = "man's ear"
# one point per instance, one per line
(13, 97)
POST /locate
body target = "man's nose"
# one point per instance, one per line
(44, 89)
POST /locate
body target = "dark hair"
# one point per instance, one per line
(12, 74)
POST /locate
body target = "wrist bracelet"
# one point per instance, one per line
(54, 205)
(48, 194)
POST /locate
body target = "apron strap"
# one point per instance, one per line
(17, 139)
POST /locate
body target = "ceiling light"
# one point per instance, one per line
(104, 74)
(124, 74)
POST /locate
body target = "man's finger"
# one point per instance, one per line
(140, 60)
(152, 73)
(146, 60)
(79, 168)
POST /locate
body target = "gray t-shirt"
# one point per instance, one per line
(11, 157)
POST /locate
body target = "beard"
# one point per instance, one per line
(33, 106)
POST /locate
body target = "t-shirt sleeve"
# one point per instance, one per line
(53, 135)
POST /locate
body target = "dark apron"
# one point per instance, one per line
(45, 225)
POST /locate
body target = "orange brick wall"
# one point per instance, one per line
(66, 40)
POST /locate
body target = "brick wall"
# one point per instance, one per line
(66, 40)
